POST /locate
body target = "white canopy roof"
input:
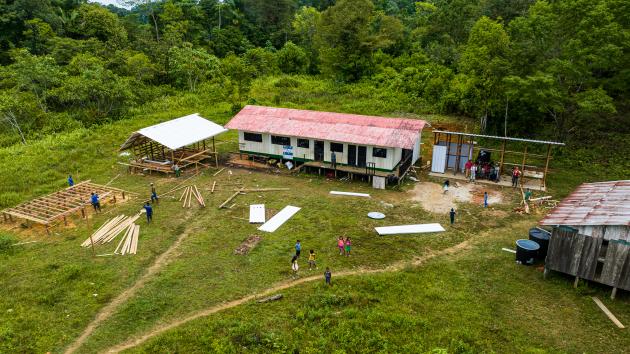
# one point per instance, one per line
(179, 132)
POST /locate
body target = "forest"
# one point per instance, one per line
(546, 69)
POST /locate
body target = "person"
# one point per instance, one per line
(528, 194)
(149, 210)
(294, 264)
(516, 173)
(452, 214)
(473, 172)
(494, 173)
(445, 186)
(467, 167)
(70, 181)
(178, 172)
(298, 248)
(486, 171)
(333, 160)
(485, 199)
(327, 276)
(96, 203)
(341, 243)
(154, 196)
(311, 260)
(348, 246)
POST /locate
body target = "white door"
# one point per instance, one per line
(438, 163)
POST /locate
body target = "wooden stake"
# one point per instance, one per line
(214, 184)
(219, 171)
(608, 313)
(230, 198)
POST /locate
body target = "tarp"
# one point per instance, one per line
(277, 220)
(178, 133)
(409, 229)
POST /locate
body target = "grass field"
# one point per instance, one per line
(473, 300)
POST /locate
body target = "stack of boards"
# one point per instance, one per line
(114, 227)
(189, 192)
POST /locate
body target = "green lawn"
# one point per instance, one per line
(478, 300)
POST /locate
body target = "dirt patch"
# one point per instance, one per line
(495, 213)
(247, 245)
(432, 197)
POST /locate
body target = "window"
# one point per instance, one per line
(280, 140)
(252, 137)
(378, 152)
(304, 143)
(336, 147)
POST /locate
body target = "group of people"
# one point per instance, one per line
(312, 264)
(482, 170)
(344, 245)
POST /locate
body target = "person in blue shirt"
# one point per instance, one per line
(96, 203)
(333, 160)
(149, 210)
(298, 248)
(70, 181)
(327, 276)
(154, 196)
(485, 199)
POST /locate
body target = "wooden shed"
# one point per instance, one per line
(591, 234)
(183, 142)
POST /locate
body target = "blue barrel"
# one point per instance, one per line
(526, 251)
(541, 237)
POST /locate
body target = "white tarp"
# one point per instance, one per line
(438, 163)
(257, 213)
(350, 194)
(179, 132)
(409, 229)
(277, 220)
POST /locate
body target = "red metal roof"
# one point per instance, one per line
(603, 203)
(347, 128)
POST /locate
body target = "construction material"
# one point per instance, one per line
(190, 192)
(112, 180)
(409, 229)
(376, 215)
(378, 182)
(263, 189)
(58, 205)
(508, 250)
(23, 243)
(608, 313)
(219, 171)
(214, 184)
(350, 194)
(257, 214)
(271, 298)
(277, 220)
(114, 227)
(230, 198)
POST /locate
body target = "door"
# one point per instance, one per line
(362, 155)
(352, 155)
(438, 163)
(319, 150)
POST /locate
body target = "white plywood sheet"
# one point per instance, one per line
(409, 229)
(438, 163)
(277, 220)
(350, 194)
(257, 213)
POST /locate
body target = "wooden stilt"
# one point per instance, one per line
(613, 294)
(576, 282)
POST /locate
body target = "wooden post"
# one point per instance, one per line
(544, 179)
(459, 153)
(613, 294)
(575, 283)
(214, 148)
(92, 243)
(65, 221)
(524, 157)
(83, 213)
(448, 150)
(4, 216)
(502, 157)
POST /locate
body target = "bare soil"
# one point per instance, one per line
(432, 197)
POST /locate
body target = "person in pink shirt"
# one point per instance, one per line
(348, 246)
(467, 167)
(341, 243)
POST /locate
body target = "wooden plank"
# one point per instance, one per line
(214, 184)
(610, 315)
(219, 171)
(230, 198)
(262, 189)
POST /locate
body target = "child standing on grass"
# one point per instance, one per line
(485, 199)
(341, 243)
(311, 260)
(149, 210)
(327, 276)
(298, 248)
(294, 264)
(348, 246)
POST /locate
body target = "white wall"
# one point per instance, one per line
(266, 147)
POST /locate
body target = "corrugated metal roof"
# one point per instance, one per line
(501, 138)
(179, 132)
(347, 128)
(602, 203)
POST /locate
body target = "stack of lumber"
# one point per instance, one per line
(129, 242)
(110, 229)
(189, 193)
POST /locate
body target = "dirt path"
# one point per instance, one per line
(282, 286)
(111, 307)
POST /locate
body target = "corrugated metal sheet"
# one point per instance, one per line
(602, 203)
(179, 132)
(347, 128)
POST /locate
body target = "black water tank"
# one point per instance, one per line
(542, 238)
(526, 251)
